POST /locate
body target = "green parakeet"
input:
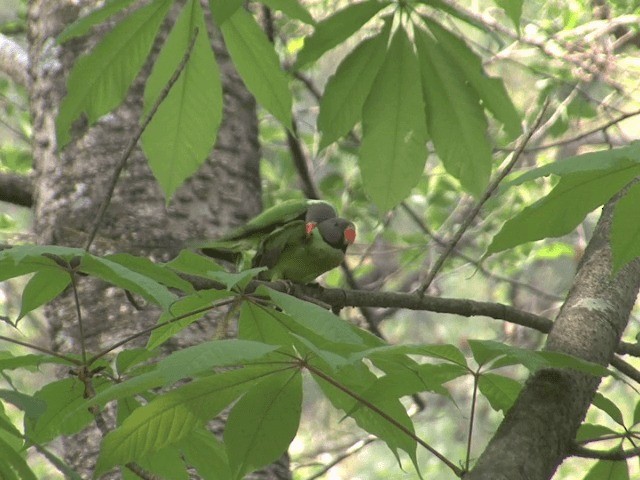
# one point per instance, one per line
(300, 251)
(296, 240)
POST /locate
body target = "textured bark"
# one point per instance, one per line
(538, 432)
(70, 185)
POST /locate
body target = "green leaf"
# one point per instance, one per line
(100, 80)
(335, 29)
(292, 9)
(483, 352)
(206, 454)
(233, 279)
(625, 230)
(194, 264)
(358, 379)
(455, 117)
(499, 390)
(61, 397)
(348, 88)
(223, 9)
(415, 379)
(588, 432)
(264, 422)
(513, 9)
(171, 417)
(192, 308)
(608, 470)
(393, 150)
(316, 319)
(31, 406)
(258, 64)
(564, 207)
(607, 406)
(127, 359)
(491, 90)
(18, 261)
(84, 24)
(636, 414)
(146, 267)
(12, 461)
(184, 128)
(43, 287)
(260, 324)
(602, 161)
(128, 279)
(30, 361)
(450, 353)
(204, 356)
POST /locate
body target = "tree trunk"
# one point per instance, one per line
(537, 434)
(71, 184)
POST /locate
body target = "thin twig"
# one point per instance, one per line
(41, 349)
(355, 448)
(76, 299)
(134, 140)
(487, 194)
(154, 327)
(442, 243)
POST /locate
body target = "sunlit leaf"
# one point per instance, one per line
(500, 391)
(348, 88)
(263, 423)
(455, 118)
(43, 287)
(565, 206)
(258, 64)
(99, 81)
(625, 230)
(608, 470)
(393, 150)
(336, 28)
(184, 128)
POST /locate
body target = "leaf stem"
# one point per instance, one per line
(459, 472)
(476, 378)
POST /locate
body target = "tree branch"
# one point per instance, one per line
(16, 189)
(13, 61)
(538, 432)
(613, 455)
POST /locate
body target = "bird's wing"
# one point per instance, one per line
(272, 246)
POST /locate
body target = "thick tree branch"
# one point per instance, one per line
(13, 60)
(614, 455)
(16, 189)
(538, 432)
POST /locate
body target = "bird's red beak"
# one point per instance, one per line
(350, 235)
(309, 227)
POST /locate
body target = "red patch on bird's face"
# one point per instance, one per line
(350, 235)
(309, 227)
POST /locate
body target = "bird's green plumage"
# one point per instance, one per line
(289, 253)
(297, 240)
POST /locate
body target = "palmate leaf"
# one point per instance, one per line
(223, 9)
(335, 29)
(184, 128)
(393, 150)
(609, 407)
(257, 63)
(358, 379)
(206, 454)
(455, 117)
(263, 423)
(491, 90)
(13, 464)
(565, 206)
(348, 88)
(171, 417)
(99, 81)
